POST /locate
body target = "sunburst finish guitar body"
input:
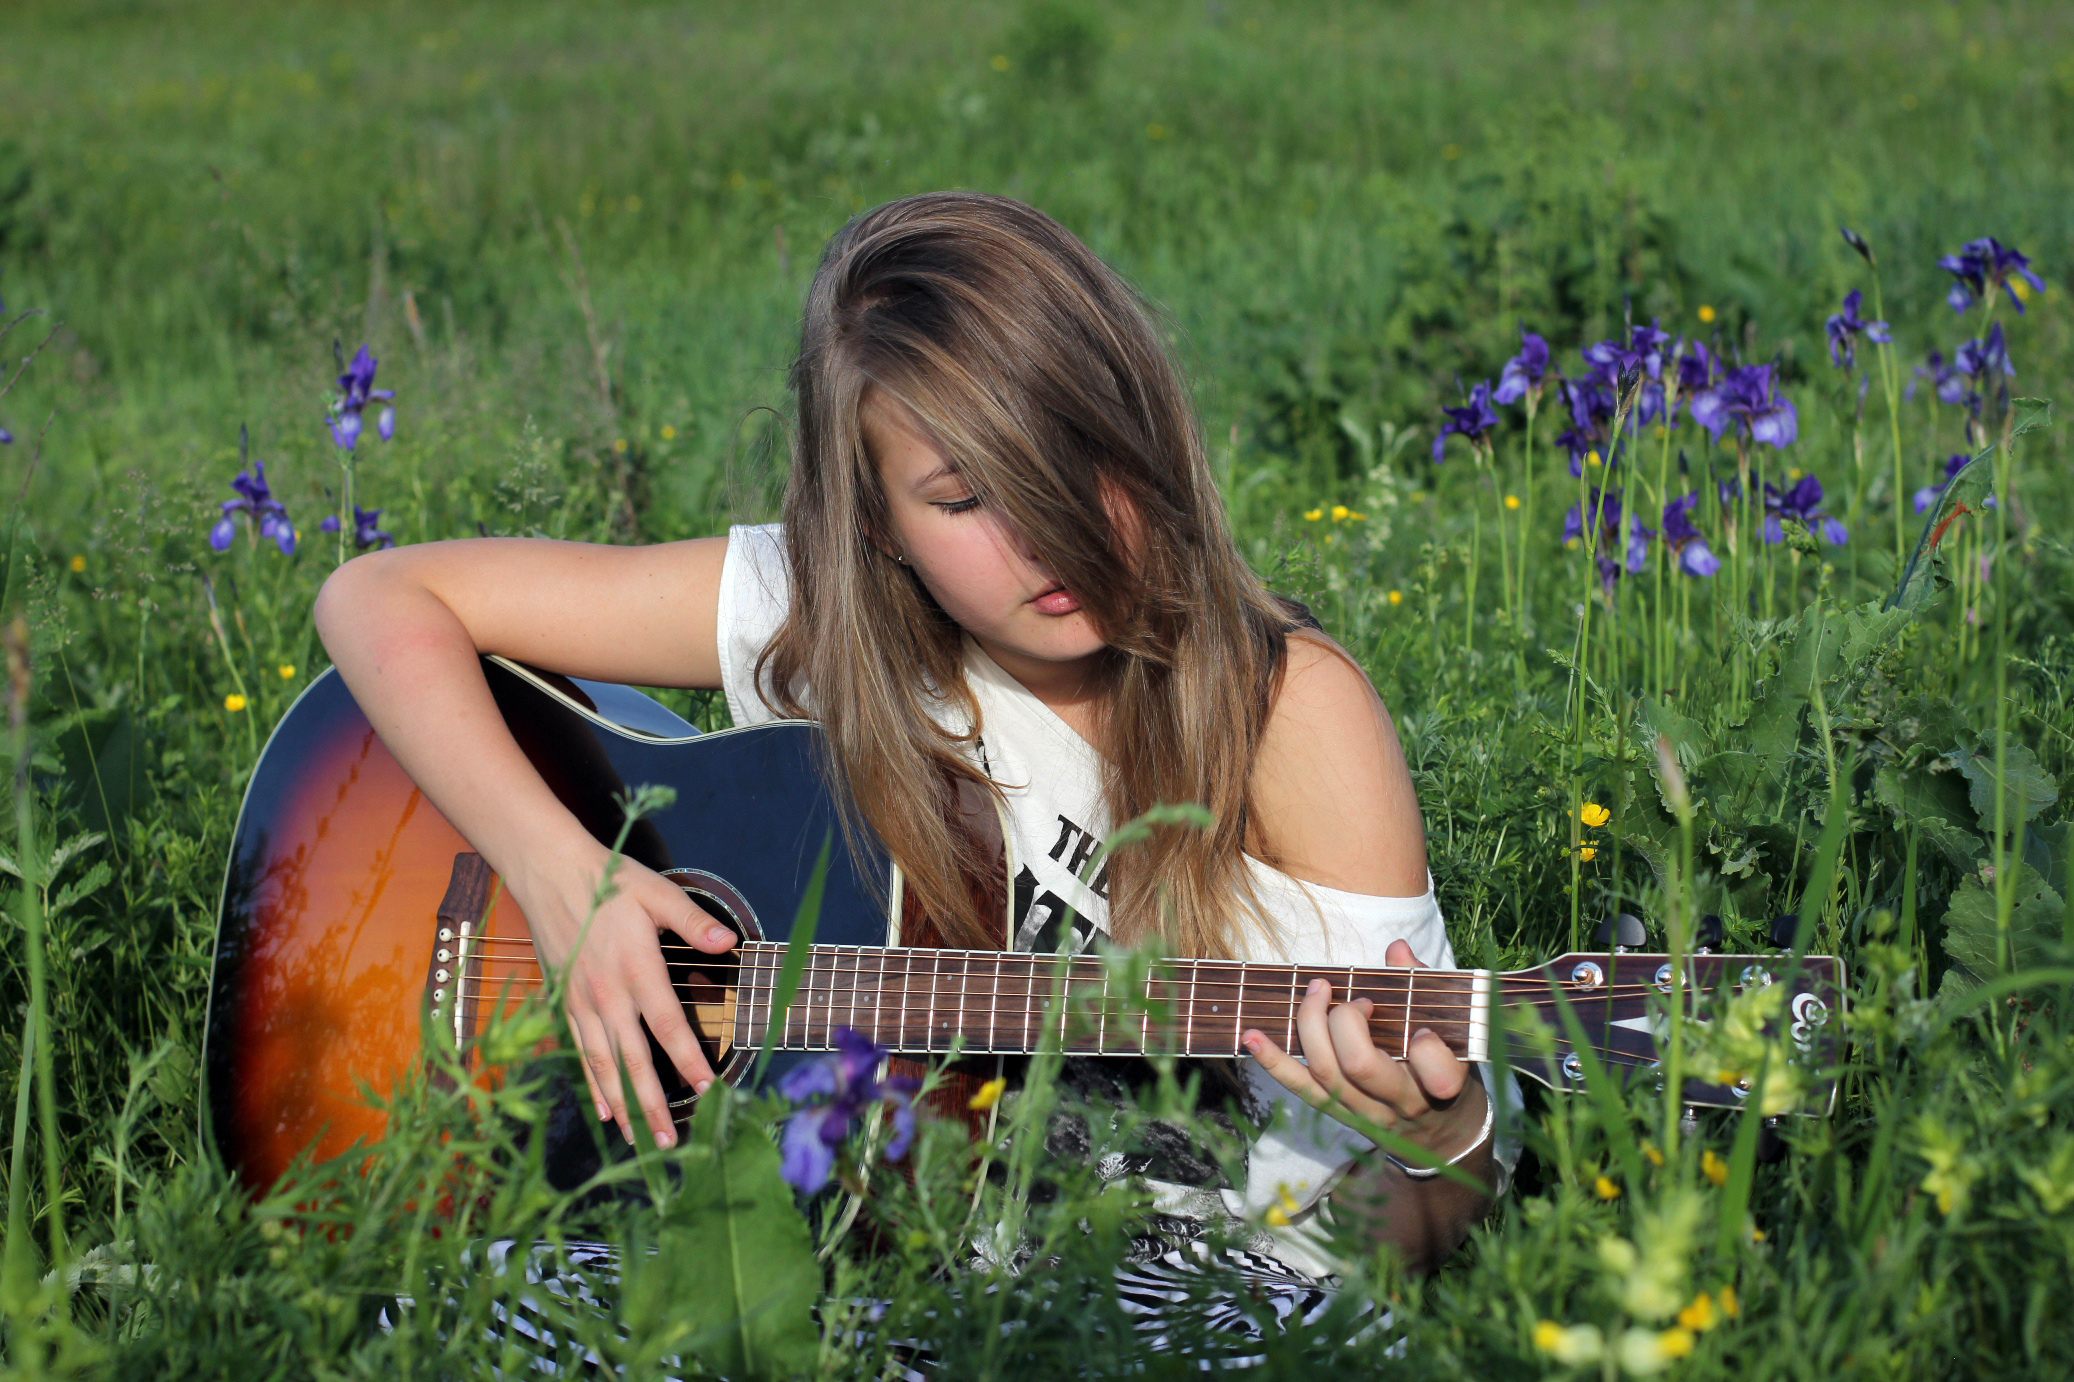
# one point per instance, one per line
(357, 926)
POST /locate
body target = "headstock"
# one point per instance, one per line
(1745, 1005)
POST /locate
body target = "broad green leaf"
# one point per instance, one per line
(2030, 788)
(733, 1279)
(1970, 933)
(2031, 414)
(1935, 804)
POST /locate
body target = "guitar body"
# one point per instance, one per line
(329, 979)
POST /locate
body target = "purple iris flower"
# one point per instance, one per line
(6, 437)
(1607, 515)
(1747, 398)
(258, 504)
(1950, 387)
(830, 1093)
(1979, 359)
(1847, 326)
(1695, 368)
(1593, 405)
(1686, 542)
(356, 391)
(1984, 263)
(1802, 504)
(1927, 495)
(366, 528)
(1524, 372)
(1474, 421)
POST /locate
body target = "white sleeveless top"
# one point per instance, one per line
(1050, 779)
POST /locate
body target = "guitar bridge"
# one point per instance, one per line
(452, 987)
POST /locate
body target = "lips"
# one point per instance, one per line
(1057, 600)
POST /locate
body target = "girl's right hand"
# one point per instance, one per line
(616, 979)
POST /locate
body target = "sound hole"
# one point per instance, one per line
(704, 982)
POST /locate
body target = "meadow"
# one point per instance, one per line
(576, 237)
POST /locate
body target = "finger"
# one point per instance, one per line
(1368, 1077)
(640, 1077)
(598, 1101)
(1285, 1069)
(1435, 1067)
(1400, 956)
(1315, 1035)
(698, 927)
(664, 1012)
(603, 1070)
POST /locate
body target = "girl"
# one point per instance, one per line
(1004, 572)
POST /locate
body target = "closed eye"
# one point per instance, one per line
(958, 505)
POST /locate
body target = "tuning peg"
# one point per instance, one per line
(1621, 932)
(1708, 936)
(1785, 931)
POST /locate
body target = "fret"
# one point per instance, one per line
(1297, 986)
(964, 982)
(994, 1010)
(878, 1002)
(943, 1024)
(1238, 1015)
(1195, 969)
(1411, 979)
(1102, 1014)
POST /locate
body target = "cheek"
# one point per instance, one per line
(967, 565)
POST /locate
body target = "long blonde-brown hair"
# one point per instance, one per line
(1038, 373)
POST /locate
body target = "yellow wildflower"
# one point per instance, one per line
(669, 432)
(1283, 1209)
(1713, 1167)
(1580, 1343)
(1728, 1302)
(989, 1094)
(619, 447)
(1706, 313)
(233, 702)
(1593, 815)
(1793, 472)
(1756, 1236)
(287, 671)
(1332, 537)
(1587, 854)
(1512, 501)
(1418, 496)
(1396, 597)
(1592, 458)
(2020, 289)
(999, 62)
(1605, 1189)
(78, 564)
(1649, 1150)
(1675, 1343)
(1699, 1317)
(1313, 515)
(1340, 512)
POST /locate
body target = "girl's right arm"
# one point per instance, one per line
(404, 628)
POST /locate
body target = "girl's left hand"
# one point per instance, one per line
(1427, 1098)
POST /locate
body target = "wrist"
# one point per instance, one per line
(1469, 1123)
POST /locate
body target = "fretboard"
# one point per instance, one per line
(984, 1002)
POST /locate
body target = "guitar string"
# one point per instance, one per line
(850, 965)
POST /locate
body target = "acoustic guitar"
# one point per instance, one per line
(357, 926)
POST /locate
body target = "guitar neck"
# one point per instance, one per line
(921, 1002)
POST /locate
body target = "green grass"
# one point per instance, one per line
(1341, 209)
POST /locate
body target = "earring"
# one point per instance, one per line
(902, 559)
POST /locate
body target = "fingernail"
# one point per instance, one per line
(1251, 1041)
(1318, 986)
(627, 1133)
(700, 1086)
(604, 1113)
(1423, 1031)
(719, 935)
(666, 1138)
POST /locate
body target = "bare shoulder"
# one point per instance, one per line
(1333, 802)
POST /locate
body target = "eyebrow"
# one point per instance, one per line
(946, 470)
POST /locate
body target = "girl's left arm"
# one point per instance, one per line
(1333, 804)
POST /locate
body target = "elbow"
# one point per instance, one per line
(348, 597)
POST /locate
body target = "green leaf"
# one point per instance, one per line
(2030, 414)
(1971, 936)
(1935, 805)
(803, 923)
(733, 1280)
(2030, 788)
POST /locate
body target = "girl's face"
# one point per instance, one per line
(980, 572)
